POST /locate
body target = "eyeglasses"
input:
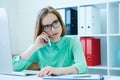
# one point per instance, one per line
(55, 25)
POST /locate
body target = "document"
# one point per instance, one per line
(75, 77)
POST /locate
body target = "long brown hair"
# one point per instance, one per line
(43, 12)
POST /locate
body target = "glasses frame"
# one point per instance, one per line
(52, 25)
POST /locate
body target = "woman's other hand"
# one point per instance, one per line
(50, 71)
(47, 71)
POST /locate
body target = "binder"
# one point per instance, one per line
(82, 21)
(68, 21)
(65, 14)
(92, 20)
(92, 50)
(71, 21)
(89, 20)
(69, 17)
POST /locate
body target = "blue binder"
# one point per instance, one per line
(71, 21)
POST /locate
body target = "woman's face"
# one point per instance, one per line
(52, 26)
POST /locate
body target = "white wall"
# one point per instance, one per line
(25, 23)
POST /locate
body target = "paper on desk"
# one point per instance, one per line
(75, 77)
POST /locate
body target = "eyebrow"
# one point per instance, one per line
(51, 23)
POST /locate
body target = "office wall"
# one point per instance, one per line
(25, 23)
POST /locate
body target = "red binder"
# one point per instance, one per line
(91, 47)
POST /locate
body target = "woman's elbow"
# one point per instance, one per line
(83, 70)
(18, 67)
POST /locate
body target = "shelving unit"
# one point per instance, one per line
(109, 36)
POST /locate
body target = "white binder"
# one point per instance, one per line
(81, 28)
(92, 20)
(89, 20)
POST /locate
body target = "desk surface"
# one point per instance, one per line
(9, 77)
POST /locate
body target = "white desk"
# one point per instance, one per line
(8, 77)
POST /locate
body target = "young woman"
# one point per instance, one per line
(63, 56)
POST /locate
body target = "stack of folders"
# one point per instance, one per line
(75, 77)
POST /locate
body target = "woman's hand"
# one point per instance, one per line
(47, 71)
(40, 40)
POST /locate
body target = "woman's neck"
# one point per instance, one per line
(56, 39)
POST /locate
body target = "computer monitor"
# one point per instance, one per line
(5, 47)
(6, 66)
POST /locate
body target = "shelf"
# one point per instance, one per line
(97, 67)
(114, 35)
(94, 35)
(115, 72)
(115, 68)
(97, 71)
(84, 2)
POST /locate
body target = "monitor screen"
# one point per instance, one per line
(5, 48)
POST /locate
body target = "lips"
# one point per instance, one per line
(54, 34)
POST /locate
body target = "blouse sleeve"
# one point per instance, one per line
(78, 55)
(19, 64)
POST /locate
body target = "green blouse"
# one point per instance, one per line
(67, 52)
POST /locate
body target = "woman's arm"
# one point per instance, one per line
(79, 58)
(39, 42)
(21, 64)
(28, 53)
(25, 59)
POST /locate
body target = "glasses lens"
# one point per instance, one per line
(46, 27)
(56, 23)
